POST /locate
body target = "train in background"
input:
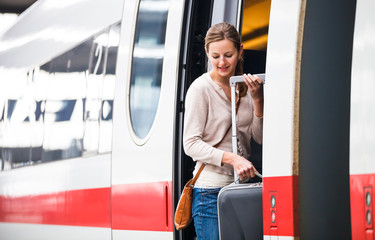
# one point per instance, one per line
(92, 106)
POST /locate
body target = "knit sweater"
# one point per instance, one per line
(208, 123)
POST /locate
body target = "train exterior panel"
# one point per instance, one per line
(69, 199)
(362, 168)
(92, 104)
(142, 162)
(280, 160)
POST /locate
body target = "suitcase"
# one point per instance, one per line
(240, 212)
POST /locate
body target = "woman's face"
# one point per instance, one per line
(223, 56)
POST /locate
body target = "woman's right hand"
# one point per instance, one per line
(243, 167)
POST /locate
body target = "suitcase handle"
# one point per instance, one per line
(236, 79)
(237, 180)
(233, 81)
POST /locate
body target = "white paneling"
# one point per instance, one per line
(19, 231)
(63, 175)
(279, 88)
(362, 112)
(150, 161)
(122, 234)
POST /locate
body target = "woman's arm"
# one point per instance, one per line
(196, 113)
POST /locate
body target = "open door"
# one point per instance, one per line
(197, 20)
(199, 16)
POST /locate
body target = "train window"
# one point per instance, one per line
(61, 108)
(255, 34)
(108, 90)
(64, 109)
(255, 23)
(146, 72)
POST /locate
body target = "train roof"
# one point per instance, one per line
(50, 27)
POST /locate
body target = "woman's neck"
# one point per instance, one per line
(222, 81)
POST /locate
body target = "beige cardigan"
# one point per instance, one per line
(206, 124)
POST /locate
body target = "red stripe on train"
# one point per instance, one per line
(362, 186)
(143, 206)
(89, 207)
(280, 215)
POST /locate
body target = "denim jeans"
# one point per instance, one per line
(205, 213)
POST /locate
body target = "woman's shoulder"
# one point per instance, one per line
(201, 84)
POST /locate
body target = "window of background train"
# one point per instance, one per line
(147, 64)
(61, 108)
(78, 112)
(19, 117)
(100, 92)
(108, 90)
(64, 107)
(2, 128)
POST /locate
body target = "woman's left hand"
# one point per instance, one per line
(255, 85)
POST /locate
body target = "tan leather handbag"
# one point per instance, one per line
(183, 214)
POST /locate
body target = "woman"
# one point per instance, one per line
(207, 131)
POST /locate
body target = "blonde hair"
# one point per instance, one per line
(222, 31)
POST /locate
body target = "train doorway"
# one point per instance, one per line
(252, 19)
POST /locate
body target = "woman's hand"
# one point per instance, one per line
(255, 85)
(243, 167)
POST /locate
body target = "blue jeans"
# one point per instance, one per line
(205, 213)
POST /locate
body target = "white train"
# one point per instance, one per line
(91, 113)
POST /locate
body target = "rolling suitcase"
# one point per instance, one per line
(240, 212)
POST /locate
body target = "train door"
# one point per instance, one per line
(197, 20)
(144, 118)
(251, 18)
(324, 120)
(306, 125)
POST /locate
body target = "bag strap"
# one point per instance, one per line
(198, 173)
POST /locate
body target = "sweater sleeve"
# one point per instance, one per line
(257, 129)
(196, 113)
